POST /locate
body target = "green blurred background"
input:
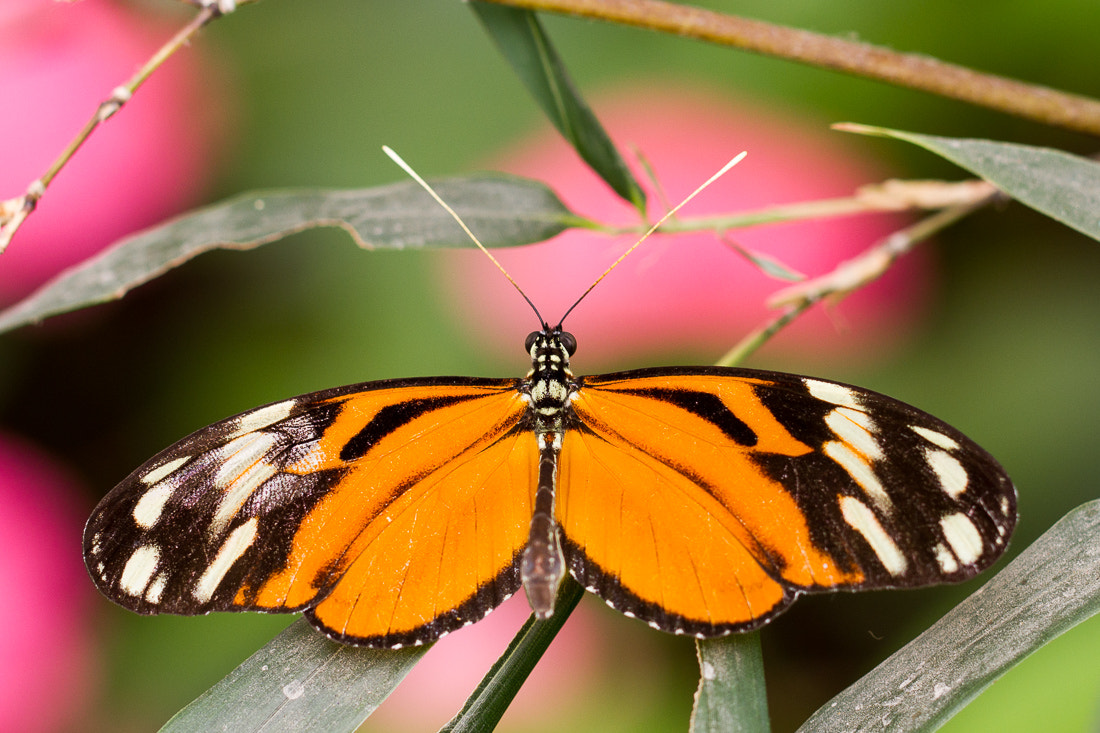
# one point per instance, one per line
(1011, 354)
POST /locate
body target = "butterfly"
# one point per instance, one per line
(700, 500)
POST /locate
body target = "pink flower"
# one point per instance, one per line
(690, 293)
(45, 631)
(58, 61)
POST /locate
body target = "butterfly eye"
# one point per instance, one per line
(531, 338)
(568, 342)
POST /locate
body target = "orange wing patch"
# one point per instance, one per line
(408, 507)
(652, 515)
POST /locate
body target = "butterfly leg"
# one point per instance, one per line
(543, 564)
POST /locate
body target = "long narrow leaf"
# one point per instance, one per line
(501, 210)
(1052, 586)
(300, 681)
(731, 697)
(487, 705)
(1064, 187)
(521, 38)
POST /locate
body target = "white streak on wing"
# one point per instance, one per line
(935, 437)
(963, 536)
(242, 472)
(163, 470)
(149, 507)
(261, 418)
(156, 589)
(860, 518)
(835, 394)
(139, 570)
(953, 477)
(235, 545)
(851, 426)
(861, 472)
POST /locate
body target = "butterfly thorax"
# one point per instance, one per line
(548, 387)
(550, 384)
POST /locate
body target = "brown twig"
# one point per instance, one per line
(857, 272)
(14, 212)
(915, 71)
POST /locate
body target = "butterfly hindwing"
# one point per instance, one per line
(329, 502)
(704, 500)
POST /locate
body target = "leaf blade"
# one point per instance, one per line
(731, 697)
(488, 703)
(1050, 587)
(299, 681)
(501, 210)
(522, 40)
(1063, 186)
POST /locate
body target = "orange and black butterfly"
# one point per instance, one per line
(701, 500)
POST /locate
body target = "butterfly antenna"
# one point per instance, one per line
(424, 184)
(736, 159)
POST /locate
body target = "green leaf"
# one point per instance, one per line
(731, 697)
(1052, 586)
(501, 210)
(1064, 187)
(300, 681)
(486, 706)
(768, 265)
(521, 38)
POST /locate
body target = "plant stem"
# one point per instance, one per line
(852, 274)
(915, 71)
(15, 211)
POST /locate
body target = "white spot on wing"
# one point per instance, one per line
(860, 518)
(963, 536)
(952, 475)
(854, 428)
(261, 418)
(935, 437)
(139, 570)
(835, 394)
(945, 559)
(861, 472)
(156, 589)
(235, 545)
(149, 507)
(163, 470)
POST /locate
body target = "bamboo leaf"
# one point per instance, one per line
(1064, 187)
(502, 210)
(521, 38)
(731, 697)
(300, 681)
(1052, 586)
(488, 703)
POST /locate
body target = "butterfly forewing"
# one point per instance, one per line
(705, 500)
(331, 502)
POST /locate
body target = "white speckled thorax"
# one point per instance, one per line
(550, 383)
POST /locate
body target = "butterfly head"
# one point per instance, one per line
(550, 349)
